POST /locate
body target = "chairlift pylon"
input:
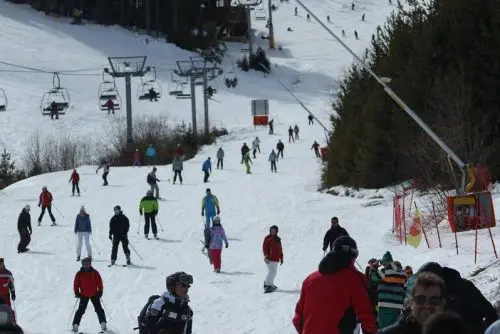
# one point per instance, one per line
(149, 89)
(58, 95)
(108, 91)
(3, 100)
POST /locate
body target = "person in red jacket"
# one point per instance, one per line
(334, 296)
(45, 202)
(7, 289)
(88, 286)
(136, 158)
(273, 254)
(75, 180)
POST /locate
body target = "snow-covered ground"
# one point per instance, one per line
(231, 302)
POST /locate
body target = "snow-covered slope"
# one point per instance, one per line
(230, 302)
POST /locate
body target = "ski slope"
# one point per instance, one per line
(310, 62)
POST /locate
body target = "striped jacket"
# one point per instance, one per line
(391, 289)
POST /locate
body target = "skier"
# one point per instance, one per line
(83, 230)
(311, 119)
(273, 254)
(177, 167)
(296, 11)
(118, 229)
(7, 289)
(356, 35)
(256, 146)
(152, 180)
(308, 18)
(247, 161)
(213, 242)
(280, 147)
(296, 131)
(290, 135)
(45, 201)
(244, 150)
(87, 286)
(220, 158)
(24, 229)
(352, 6)
(207, 169)
(75, 180)
(333, 233)
(170, 312)
(329, 21)
(150, 154)
(315, 147)
(209, 205)
(54, 110)
(363, 17)
(110, 105)
(136, 158)
(272, 159)
(343, 33)
(149, 206)
(105, 167)
(153, 95)
(271, 126)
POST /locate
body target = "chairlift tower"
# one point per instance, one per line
(128, 67)
(199, 71)
(270, 24)
(249, 4)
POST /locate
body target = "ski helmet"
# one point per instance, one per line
(149, 192)
(44, 188)
(178, 277)
(27, 207)
(345, 245)
(216, 220)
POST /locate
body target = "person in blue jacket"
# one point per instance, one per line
(150, 154)
(83, 229)
(207, 169)
(209, 207)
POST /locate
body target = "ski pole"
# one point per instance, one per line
(360, 268)
(72, 311)
(133, 248)
(93, 241)
(55, 207)
(139, 224)
(159, 223)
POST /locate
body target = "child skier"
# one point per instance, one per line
(213, 242)
(75, 180)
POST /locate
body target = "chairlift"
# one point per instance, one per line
(108, 91)
(58, 95)
(176, 87)
(150, 89)
(3, 100)
(231, 79)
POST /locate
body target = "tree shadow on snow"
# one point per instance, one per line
(135, 266)
(39, 253)
(296, 291)
(236, 273)
(234, 239)
(168, 240)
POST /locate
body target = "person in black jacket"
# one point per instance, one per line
(24, 228)
(333, 233)
(118, 229)
(171, 312)
(463, 298)
(244, 150)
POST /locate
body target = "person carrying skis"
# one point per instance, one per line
(207, 169)
(220, 158)
(149, 206)
(150, 154)
(271, 126)
(83, 230)
(75, 180)
(256, 146)
(333, 233)
(45, 201)
(209, 205)
(272, 159)
(290, 135)
(213, 242)
(24, 229)
(87, 285)
(315, 147)
(296, 131)
(170, 312)
(244, 150)
(247, 161)
(152, 180)
(7, 288)
(177, 167)
(273, 254)
(311, 117)
(118, 229)
(280, 147)
(105, 167)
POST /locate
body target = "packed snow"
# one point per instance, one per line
(310, 63)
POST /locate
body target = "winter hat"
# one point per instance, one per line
(347, 245)
(216, 220)
(274, 227)
(87, 259)
(27, 207)
(117, 208)
(432, 267)
(372, 260)
(342, 256)
(44, 188)
(82, 209)
(178, 277)
(149, 192)
(387, 258)
(334, 220)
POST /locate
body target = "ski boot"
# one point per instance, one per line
(75, 328)
(104, 326)
(146, 236)
(53, 223)
(77, 258)
(128, 260)
(156, 237)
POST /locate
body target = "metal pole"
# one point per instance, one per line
(396, 98)
(249, 33)
(271, 28)
(205, 101)
(128, 96)
(193, 104)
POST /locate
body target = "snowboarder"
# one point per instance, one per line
(136, 158)
(177, 167)
(207, 169)
(45, 201)
(244, 150)
(333, 233)
(220, 158)
(272, 159)
(105, 167)
(290, 135)
(247, 162)
(150, 154)
(152, 180)
(213, 242)
(209, 207)
(149, 206)
(7, 288)
(315, 147)
(118, 229)
(24, 229)
(256, 146)
(280, 147)
(75, 180)
(296, 131)
(271, 126)
(87, 286)
(273, 254)
(311, 119)
(83, 230)
(170, 312)
(110, 105)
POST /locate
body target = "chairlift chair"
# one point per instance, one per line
(57, 94)
(108, 90)
(3, 100)
(176, 86)
(144, 89)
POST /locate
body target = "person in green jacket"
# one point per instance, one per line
(149, 206)
(177, 167)
(247, 161)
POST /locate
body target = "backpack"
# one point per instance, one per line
(141, 319)
(150, 179)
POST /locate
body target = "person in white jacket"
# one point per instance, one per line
(256, 146)
(83, 229)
